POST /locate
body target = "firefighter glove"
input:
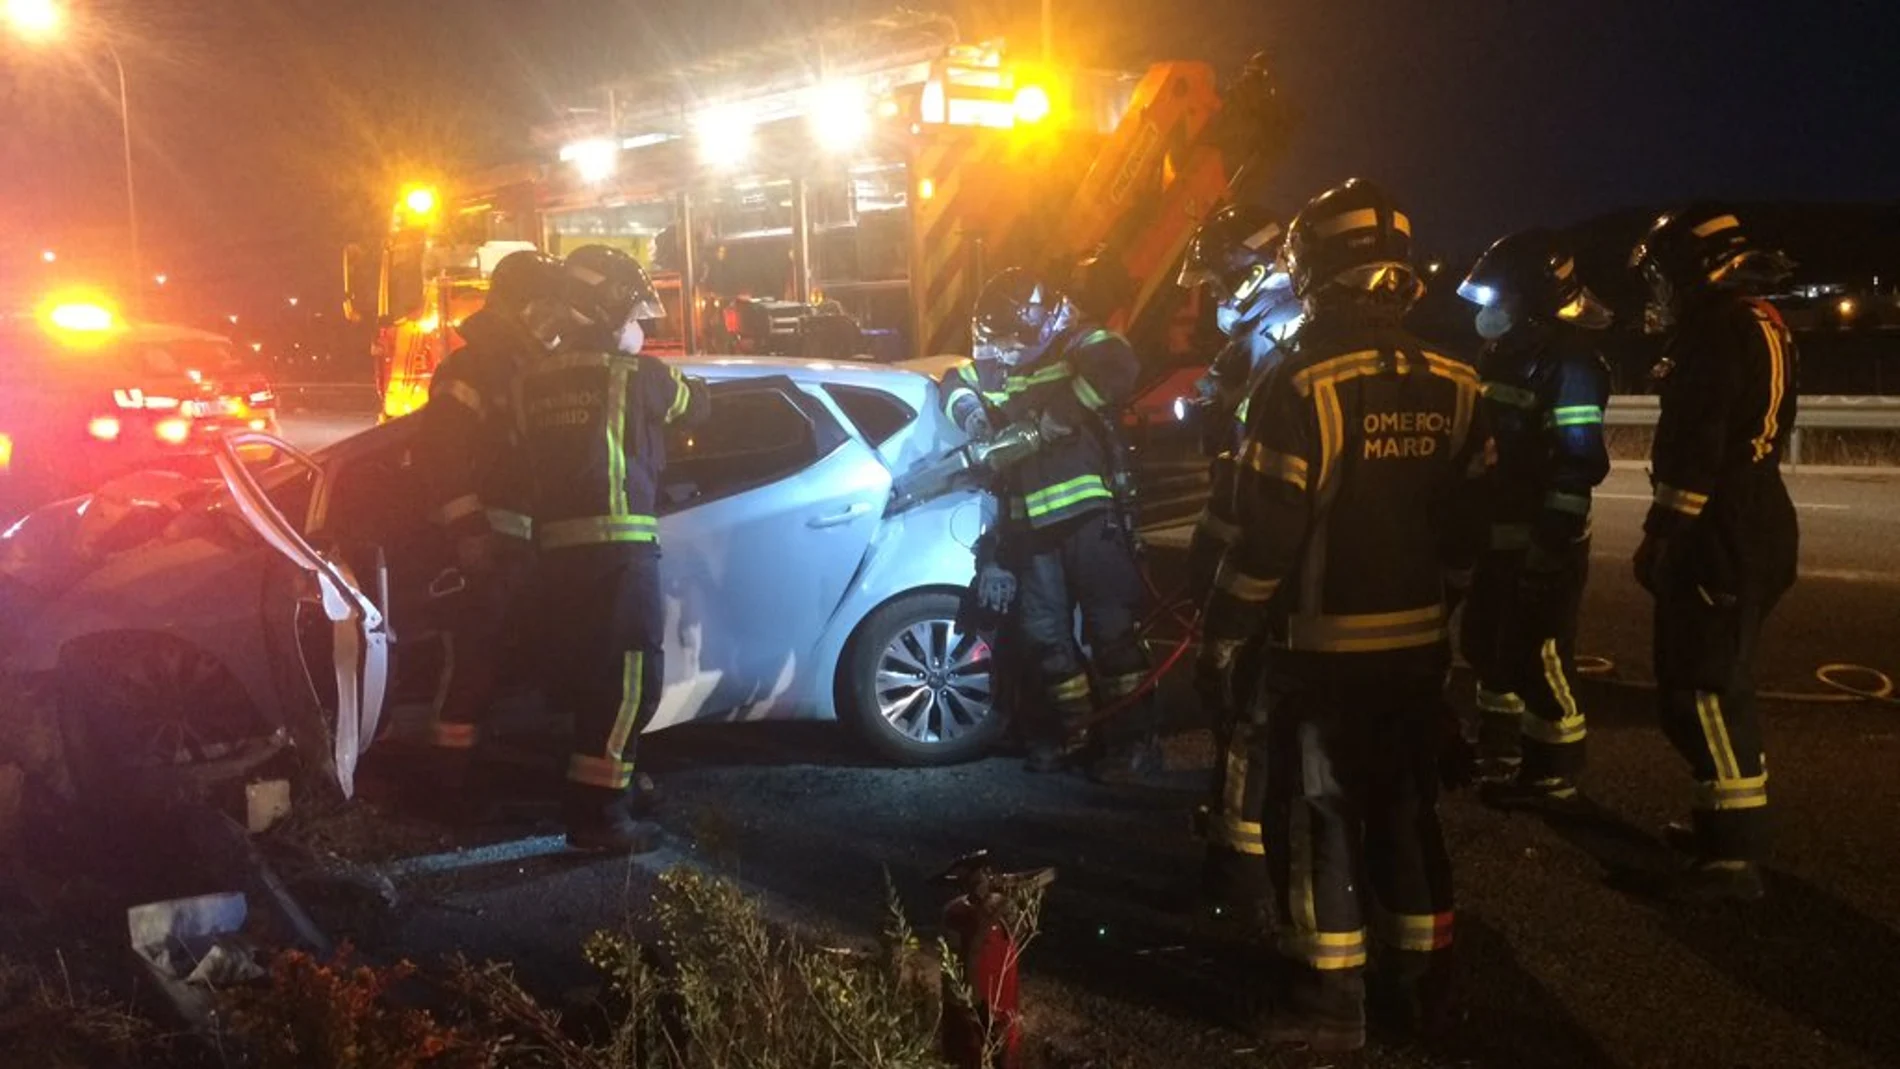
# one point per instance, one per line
(1214, 674)
(995, 589)
(977, 427)
(1652, 562)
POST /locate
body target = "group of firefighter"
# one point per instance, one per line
(1365, 486)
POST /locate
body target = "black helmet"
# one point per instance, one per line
(1018, 315)
(1352, 238)
(607, 287)
(1694, 248)
(522, 278)
(1236, 253)
(1533, 275)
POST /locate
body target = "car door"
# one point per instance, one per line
(767, 511)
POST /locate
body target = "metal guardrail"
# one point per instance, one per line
(328, 396)
(1816, 412)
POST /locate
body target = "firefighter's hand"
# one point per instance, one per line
(995, 589)
(1651, 561)
(475, 554)
(1214, 674)
(1052, 427)
(978, 428)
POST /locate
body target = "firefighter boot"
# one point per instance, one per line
(1322, 1011)
(601, 821)
(1527, 792)
(1697, 877)
(1409, 998)
(1236, 896)
(1500, 716)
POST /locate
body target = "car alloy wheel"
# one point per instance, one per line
(933, 682)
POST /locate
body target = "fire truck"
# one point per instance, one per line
(844, 193)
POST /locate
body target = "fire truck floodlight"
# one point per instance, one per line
(420, 202)
(840, 116)
(595, 159)
(1032, 104)
(725, 135)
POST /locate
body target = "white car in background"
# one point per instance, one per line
(187, 623)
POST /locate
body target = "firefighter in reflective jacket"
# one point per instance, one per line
(478, 484)
(1063, 542)
(1720, 540)
(1234, 256)
(593, 417)
(1363, 457)
(1545, 386)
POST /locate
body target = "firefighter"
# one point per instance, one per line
(1545, 387)
(1362, 459)
(1719, 542)
(1235, 256)
(478, 485)
(1064, 540)
(593, 416)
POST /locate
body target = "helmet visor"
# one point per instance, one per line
(1481, 294)
(647, 306)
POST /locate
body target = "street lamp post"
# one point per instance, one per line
(42, 20)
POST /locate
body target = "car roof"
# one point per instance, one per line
(902, 382)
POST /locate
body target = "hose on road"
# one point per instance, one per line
(1848, 683)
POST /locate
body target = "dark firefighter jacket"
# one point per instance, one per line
(1080, 381)
(477, 478)
(1544, 394)
(593, 425)
(1728, 406)
(1237, 372)
(1358, 484)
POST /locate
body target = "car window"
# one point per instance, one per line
(757, 434)
(876, 414)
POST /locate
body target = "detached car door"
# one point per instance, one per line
(767, 512)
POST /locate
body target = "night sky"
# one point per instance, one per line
(269, 132)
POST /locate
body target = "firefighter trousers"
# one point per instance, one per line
(1353, 840)
(1519, 634)
(1087, 563)
(1704, 683)
(1238, 791)
(474, 624)
(604, 621)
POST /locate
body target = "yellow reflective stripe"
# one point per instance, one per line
(1747, 792)
(1511, 396)
(512, 524)
(1574, 504)
(1347, 365)
(464, 394)
(1242, 837)
(682, 396)
(1243, 587)
(1062, 495)
(595, 530)
(457, 508)
(1122, 685)
(1687, 502)
(967, 372)
(446, 677)
(1234, 787)
(1421, 932)
(1357, 219)
(444, 736)
(1492, 701)
(1087, 394)
(549, 365)
(1328, 951)
(1275, 465)
(1777, 368)
(1015, 384)
(1332, 435)
(1716, 226)
(617, 439)
(1708, 709)
(1570, 726)
(1574, 416)
(632, 684)
(1367, 632)
(602, 772)
(1076, 686)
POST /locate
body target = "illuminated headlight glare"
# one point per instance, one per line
(172, 431)
(1180, 409)
(104, 428)
(840, 116)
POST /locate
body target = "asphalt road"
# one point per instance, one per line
(1558, 969)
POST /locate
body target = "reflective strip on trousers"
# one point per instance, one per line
(1368, 632)
(632, 689)
(603, 772)
(1122, 685)
(1708, 708)
(1748, 792)
(1501, 702)
(1074, 688)
(1240, 835)
(1568, 729)
(1418, 932)
(447, 736)
(1240, 586)
(1327, 951)
(598, 530)
(512, 524)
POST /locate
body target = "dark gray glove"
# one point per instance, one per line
(995, 589)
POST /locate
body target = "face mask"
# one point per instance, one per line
(1493, 323)
(632, 336)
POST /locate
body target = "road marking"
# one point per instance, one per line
(1607, 496)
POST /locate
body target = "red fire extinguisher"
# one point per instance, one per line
(982, 926)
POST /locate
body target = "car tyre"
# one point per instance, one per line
(916, 688)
